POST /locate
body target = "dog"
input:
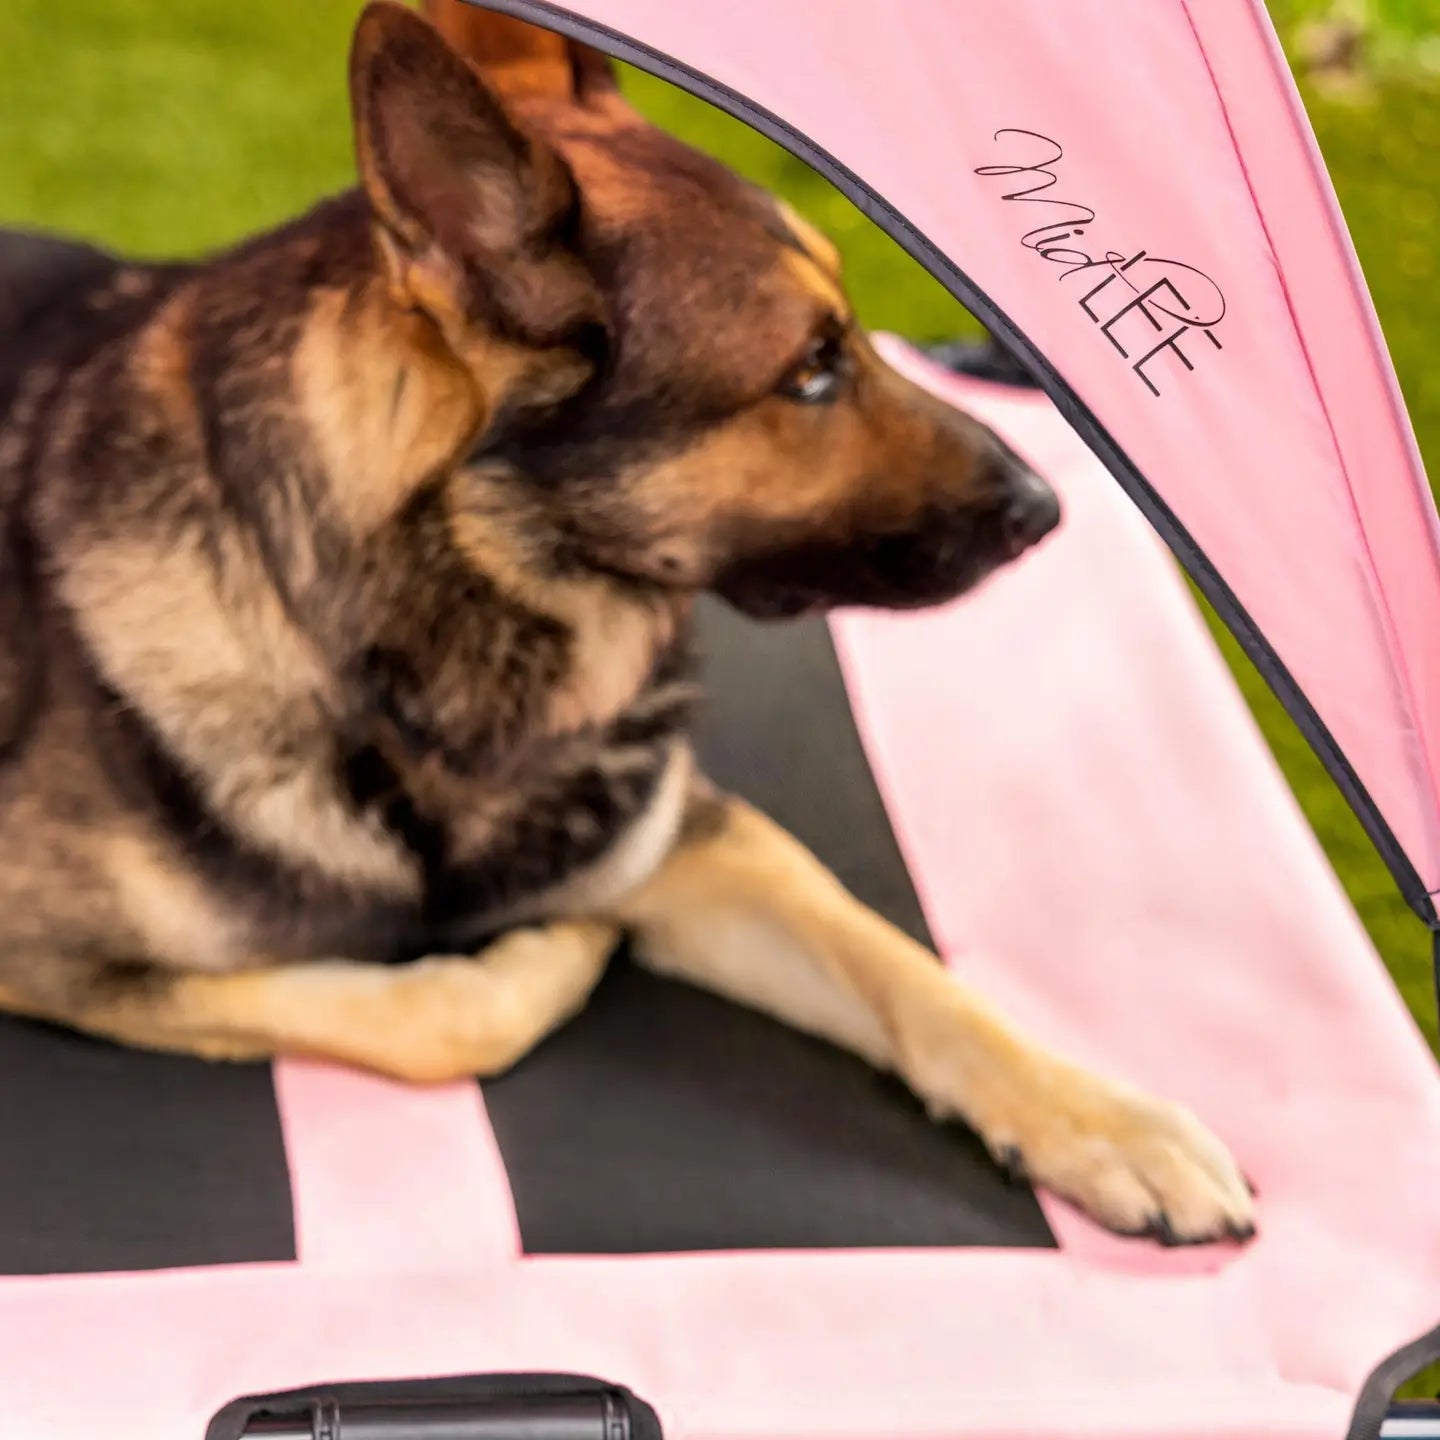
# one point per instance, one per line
(346, 583)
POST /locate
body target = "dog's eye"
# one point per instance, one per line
(816, 379)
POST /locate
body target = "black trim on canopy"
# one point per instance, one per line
(1197, 565)
(1387, 1377)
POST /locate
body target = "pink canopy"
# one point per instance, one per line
(1129, 196)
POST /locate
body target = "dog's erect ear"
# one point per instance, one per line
(439, 157)
(522, 60)
(472, 208)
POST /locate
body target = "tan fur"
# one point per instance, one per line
(162, 359)
(194, 657)
(718, 481)
(512, 55)
(522, 62)
(440, 1019)
(173, 917)
(820, 246)
(616, 638)
(383, 450)
(819, 282)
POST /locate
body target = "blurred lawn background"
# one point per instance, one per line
(166, 129)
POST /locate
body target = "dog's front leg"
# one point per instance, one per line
(442, 1018)
(743, 909)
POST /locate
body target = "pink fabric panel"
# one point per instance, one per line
(834, 1348)
(1310, 502)
(1332, 310)
(1101, 841)
(1238, 927)
(361, 1155)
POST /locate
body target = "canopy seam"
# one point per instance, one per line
(1379, 598)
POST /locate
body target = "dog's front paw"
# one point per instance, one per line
(1138, 1165)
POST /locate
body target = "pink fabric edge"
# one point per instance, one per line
(362, 1155)
(1378, 596)
(1228, 31)
(831, 1347)
(1345, 247)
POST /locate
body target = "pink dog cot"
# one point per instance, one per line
(754, 1233)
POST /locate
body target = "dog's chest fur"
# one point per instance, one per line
(222, 765)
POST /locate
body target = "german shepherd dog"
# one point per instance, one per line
(345, 593)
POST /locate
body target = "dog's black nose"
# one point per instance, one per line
(1031, 512)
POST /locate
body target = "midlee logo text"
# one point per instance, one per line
(1157, 305)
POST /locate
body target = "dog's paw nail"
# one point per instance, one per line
(1252, 1187)
(1158, 1227)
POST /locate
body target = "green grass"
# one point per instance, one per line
(1400, 37)
(168, 128)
